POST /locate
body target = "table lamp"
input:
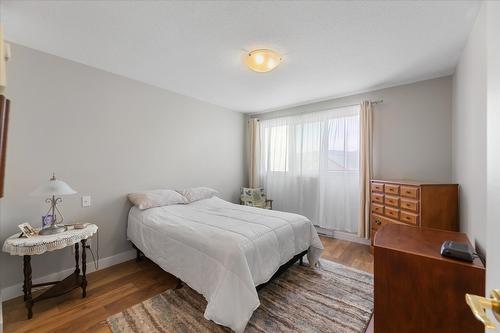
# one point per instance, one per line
(53, 188)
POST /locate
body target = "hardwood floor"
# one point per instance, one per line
(348, 253)
(116, 288)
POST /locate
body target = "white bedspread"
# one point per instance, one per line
(222, 250)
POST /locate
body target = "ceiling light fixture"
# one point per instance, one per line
(262, 60)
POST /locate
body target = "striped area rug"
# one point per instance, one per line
(333, 299)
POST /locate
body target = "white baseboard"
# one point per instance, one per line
(342, 235)
(17, 289)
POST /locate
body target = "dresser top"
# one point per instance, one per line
(420, 241)
(409, 182)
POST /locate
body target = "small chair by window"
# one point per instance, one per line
(255, 197)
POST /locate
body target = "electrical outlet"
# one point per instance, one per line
(86, 201)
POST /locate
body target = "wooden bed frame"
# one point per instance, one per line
(298, 257)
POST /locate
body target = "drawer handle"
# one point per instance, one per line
(378, 222)
(479, 305)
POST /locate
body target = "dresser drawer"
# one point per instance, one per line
(391, 201)
(391, 212)
(408, 204)
(409, 218)
(379, 198)
(409, 192)
(377, 209)
(392, 189)
(377, 187)
(377, 221)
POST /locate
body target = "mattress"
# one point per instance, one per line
(222, 250)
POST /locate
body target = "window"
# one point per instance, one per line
(310, 166)
(276, 148)
(302, 146)
(343, 143)
(308, 146)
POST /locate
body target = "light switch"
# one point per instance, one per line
(86, 201)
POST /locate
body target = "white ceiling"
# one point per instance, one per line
(329, 49)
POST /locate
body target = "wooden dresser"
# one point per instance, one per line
(416, 289)
(413, 203)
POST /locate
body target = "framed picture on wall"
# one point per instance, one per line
(4, 122)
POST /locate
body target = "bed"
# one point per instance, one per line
(222, 250)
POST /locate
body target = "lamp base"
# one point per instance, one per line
(53, 229)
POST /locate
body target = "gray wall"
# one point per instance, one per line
(412, 129)
(493, 116)
(469, 133)
(106, 136)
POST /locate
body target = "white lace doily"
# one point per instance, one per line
(40, 244)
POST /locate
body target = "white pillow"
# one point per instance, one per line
(198, 193)
(156, 198)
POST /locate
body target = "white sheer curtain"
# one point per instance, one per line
(310, 166)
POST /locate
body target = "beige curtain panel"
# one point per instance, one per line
(365, 166)
(254, 153)
(3, 56)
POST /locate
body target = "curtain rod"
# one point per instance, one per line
(379, 101)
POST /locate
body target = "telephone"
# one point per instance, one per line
(459, 251)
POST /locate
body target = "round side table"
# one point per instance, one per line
(36, 245)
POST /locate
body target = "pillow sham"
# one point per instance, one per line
(198, 193)
(156, 198)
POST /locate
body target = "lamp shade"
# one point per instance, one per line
(262, 60)
(53, 187)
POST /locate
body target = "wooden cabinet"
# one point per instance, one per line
(416, 289)
(414, 203)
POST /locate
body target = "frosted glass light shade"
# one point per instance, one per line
(262, 60)
(53, 187)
